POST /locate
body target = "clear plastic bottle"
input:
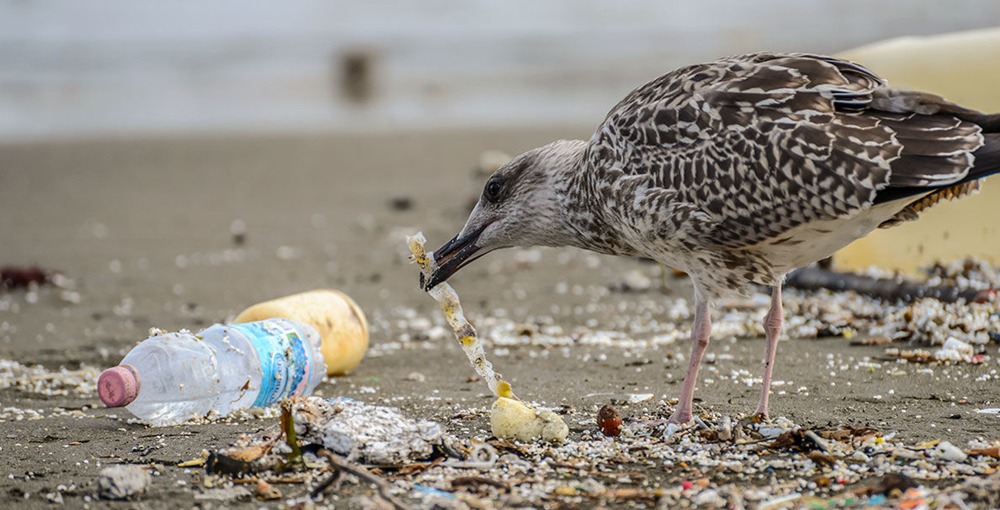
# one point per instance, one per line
(337, 318)
(173, 377)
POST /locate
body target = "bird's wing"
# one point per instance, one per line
(752, 146)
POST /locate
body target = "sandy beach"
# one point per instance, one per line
(141, 230)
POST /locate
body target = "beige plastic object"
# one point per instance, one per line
(337, 318)
(962, 67)
(511, 419)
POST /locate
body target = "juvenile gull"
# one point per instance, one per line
(736, 171)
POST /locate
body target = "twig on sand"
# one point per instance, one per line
(465, 481)
(340, 465)
(814, 278)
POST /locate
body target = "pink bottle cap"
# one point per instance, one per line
(118, 386)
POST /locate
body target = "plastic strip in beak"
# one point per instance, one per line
(447, 299)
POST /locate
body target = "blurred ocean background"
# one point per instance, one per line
(115, 68)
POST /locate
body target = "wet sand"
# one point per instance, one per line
(142, 228)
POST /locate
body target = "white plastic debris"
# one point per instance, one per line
(770, 432)
(372, 434)
(947, 451)
(624, 398)
(726, 429)
(635, 398)
(954, 350)
(670, 430)
(122, 482)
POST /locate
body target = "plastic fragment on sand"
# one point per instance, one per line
(948, 451)
(512, 419)
(122, 482)
(447, 300)
(509, 417)
(954, 350)
(432, 491)
(373, 434)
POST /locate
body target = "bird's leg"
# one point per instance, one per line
(700, 333)
(772, 328)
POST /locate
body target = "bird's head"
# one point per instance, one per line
(522, 204)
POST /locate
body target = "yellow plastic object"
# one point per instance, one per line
(337, 318)
(512, 419)
(961, 67)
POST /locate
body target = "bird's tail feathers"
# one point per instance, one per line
(911, 101)
(990, 122)
(988, 156)
(987, 163)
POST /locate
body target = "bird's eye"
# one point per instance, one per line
(493, 190)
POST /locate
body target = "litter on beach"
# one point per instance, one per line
(509, 417)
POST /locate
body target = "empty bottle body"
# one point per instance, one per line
(174, 377)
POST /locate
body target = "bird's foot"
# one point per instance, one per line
(652, 426)
(761, 414)
(680, 417)
(668, 426)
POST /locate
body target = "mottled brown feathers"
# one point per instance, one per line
(739, 170)
(714, 161)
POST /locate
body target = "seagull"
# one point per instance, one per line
(736, 171)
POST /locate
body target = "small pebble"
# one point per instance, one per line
(610, 421)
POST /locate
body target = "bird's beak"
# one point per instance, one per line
(454, 255)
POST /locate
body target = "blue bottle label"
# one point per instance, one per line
(283, 360)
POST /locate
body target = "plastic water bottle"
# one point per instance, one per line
(173, 377)
(337, 318)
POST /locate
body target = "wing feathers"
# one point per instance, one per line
(763, 143)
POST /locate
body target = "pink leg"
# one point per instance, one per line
(700, 333)
(772, 327)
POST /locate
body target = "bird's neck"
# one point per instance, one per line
(584, 209)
